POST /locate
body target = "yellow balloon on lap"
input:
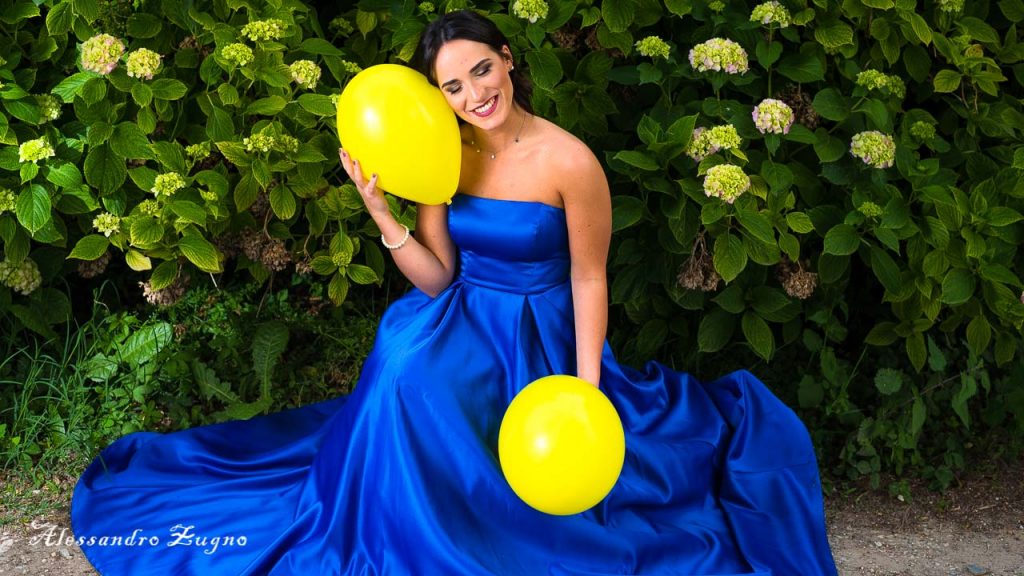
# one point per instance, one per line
(399, 126)
(561, 445)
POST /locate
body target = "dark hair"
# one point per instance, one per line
(468, 25)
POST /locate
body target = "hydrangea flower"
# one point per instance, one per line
(286, 143)
(238, 53)
(271, 29)
(167, 184)
(142, 63)
(198, 151)
(427, 7)
(951, 5)
(351, 67)
(305, 73)
(259, 142)
(49, 106)
(107, 223)
(870, 209)
(875, 80)
(653, 47)
(343, 26)
(769, 13)
(706, 142)
(874, 148)
(101, 53)
(774, 116)
(150, 207)
(719, 54)
(8, 201)
(923, 131)
(208, 195)
(23, 277)
(531, 10)
(34, 150)
(716, 5)
(726, 182)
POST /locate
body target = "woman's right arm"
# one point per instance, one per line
(426, 259)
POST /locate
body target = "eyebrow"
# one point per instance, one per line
(471, 71)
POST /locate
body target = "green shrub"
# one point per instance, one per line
(862, 238)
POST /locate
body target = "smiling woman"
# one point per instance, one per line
(403, 477)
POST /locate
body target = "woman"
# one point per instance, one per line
(401, 477)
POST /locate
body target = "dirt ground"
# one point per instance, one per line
(975, 528)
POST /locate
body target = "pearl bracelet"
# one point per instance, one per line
(400, 244)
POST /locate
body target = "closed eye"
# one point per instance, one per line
(455, 88)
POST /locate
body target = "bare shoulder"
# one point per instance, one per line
(579, 173)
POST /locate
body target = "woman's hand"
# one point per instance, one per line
(374, 199)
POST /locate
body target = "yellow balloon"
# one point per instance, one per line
(399, 126)
(561, 445)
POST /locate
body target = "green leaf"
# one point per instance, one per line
(835, 36)
(967, 390)
(234, 152)
(168, 89)
(142, 94)
(886, 269)
(799, 222)
(220, 126)
(87, 9)
(888, 381)
(33, 207)
(618, 14)
(188, 212)
(957, 286)
(545, 69)
(137, 261)
(361, 274)
(142, 25)
(146, 231)
(767, 54)
(199, 251)
(978, 29)
(104, 169)
(731, 299)
(778, 176)
(916, 351)
(730, 257)
(320, 47)
(803, 67)
(59, 18)
(164, 275)
(637, 159)
(90, 247)
(947, 80)
(129, 141)
(318, 104)
(145, 343)
(842, 240)
(679, 7)
(831, 105)
(920, 27)
(269, 343)
(1002, 216)
(64, 175)
(829, 148)
(756, 224)
(882, 334)
(282, 202)
(979, 335)
(715, 331)
(267, 106)
(758, 335)
(626, 211)
(337, 289)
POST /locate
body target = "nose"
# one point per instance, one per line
(474, 92)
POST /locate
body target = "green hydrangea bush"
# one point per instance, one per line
(826, 192)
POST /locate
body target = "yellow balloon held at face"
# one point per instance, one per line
(561, 445)
(399, 126)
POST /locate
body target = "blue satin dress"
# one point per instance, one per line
(402, 476)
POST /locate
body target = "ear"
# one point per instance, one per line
(506, 54)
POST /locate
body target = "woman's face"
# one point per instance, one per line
(475, 81)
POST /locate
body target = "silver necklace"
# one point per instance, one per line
(516, 141)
